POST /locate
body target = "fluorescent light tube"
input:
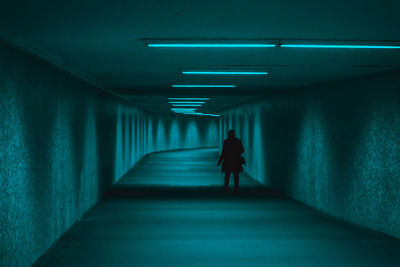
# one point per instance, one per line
(189, 102)
(226, 72)
(200, 85)
(186, 105)
(183, 109)
(202, 114)
(188, 98)
(212, 45)
(341, 46)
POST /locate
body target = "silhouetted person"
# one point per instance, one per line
(231, 159)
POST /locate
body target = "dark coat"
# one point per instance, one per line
(231, 155)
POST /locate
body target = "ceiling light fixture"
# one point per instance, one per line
(180, 45)
(341, 46)
(200, 85)
(186, 105)
(212, 115)
(279, 43)
(202, 114)
(183, 109)
(188, 98)
(189, 102)
(226, 72)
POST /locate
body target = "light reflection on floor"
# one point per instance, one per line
(170, 210)
(187, 168)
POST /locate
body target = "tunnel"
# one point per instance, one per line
(117, 115)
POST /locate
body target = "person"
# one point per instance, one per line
(231, 159)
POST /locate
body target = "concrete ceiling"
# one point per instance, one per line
(104, 42)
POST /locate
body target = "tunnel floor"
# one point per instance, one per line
(171, 210)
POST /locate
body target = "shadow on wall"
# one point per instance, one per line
(270, 148)
(279, 144)
(333, 146)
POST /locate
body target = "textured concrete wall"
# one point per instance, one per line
(334, 146)
(62, 143)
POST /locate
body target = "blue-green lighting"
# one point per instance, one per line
(201, 85)
(186, 105)
(341, 46)
(213, 45)
(189, 102)
(226, 72)
(201, 114)
(188, 98)
(183, 110)
(212, 115)
(181, 45)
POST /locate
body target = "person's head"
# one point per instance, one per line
(231, 134)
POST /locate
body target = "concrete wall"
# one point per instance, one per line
(62, 143)
(335, 147)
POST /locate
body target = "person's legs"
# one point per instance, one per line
(227, 175)
(236, 176)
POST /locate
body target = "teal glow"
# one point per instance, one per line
(226, 72)
(184, 102)
(194, 113)
(212, 45)
(202, 114)
(182, 110)
(200, 85)
(212, 115)
(341, 46)
(188, 98)
(186, 105)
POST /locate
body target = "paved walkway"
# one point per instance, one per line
(170, 210)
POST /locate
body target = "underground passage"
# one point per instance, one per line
(187, 133)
